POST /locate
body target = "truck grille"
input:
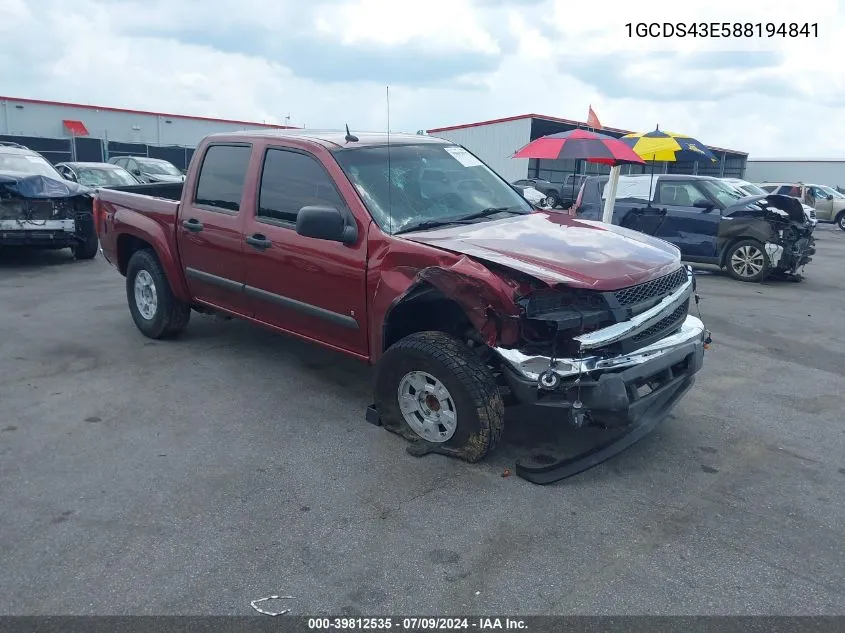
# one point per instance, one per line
(651, 289)
(663, 327)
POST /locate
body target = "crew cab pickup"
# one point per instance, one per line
(409, 253)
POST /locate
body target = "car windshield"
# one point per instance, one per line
(104, 176)
(430, 185)
(831, 192)
(722, 191)
(28, 164)
(159, 167)
(750, 189)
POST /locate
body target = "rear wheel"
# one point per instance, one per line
(747, 261)
(155, 311)
(552, 199)
(431, 387)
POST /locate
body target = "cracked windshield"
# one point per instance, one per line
(430, 186)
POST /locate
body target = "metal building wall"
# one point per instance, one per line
(827, 172)
(495, 143)
(45, 120)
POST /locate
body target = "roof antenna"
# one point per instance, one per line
(389, 171)
(350, 138)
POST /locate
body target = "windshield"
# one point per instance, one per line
(722, 191)
(104, 176)
(429, 184)
(831, 192)
(159, 167)
(28, 164)
(750, 189)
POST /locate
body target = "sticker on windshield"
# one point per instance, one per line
(463, 157)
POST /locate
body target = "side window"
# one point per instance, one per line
(768, 188)
(679, 194)
(222, 175)
(290, 181)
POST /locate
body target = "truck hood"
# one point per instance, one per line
(558, 249)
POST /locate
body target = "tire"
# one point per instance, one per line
(162, 315)
(86, 249)
(840, 220)
(474, 398)
(552, 199)
(747, 260)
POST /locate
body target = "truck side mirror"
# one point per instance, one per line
(325, 223)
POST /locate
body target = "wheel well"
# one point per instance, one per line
(127, 245)
(723, 259)
(425, 309)
(839, 215)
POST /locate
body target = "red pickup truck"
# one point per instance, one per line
(409, 253)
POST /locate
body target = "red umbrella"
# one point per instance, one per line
(581, 145)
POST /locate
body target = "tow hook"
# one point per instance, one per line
(549, 380)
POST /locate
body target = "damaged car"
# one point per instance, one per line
(39, 208)
(410, 254)
(752, 237)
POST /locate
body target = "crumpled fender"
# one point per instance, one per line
(128, 222)
(486, 298)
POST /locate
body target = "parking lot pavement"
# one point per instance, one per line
(192, 476)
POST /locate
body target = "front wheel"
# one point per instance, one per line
(840, 220)
(87, 248)
(747, 261)
(155, 311)
(552, 199)
(431, 387)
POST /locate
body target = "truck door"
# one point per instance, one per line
(210, 228)
(309, 287)
(691, 228)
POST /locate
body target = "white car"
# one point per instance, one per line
(534, 196)
(750, 189)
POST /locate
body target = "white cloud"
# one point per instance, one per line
(258, 60)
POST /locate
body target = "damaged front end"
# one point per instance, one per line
(37, 211)
(779, 223)
(616, 359)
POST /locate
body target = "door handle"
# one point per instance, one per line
(193, 225)
(259, 241)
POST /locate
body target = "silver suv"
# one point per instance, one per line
(828, 203)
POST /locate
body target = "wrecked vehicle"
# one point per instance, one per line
(711, 222)
(409, 253)
(40, 209)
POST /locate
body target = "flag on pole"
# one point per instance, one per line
(592, 119)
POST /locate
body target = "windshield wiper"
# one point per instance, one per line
(466, 219)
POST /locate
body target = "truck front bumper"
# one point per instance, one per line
(633, 391)
(53, 233)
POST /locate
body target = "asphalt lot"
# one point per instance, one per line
(190, 477)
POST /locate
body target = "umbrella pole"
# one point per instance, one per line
(651, 182)
(610, 201)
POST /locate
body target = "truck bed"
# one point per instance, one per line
(168, 190)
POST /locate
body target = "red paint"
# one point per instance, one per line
(483, 267)
(65, 104)
(76, 128)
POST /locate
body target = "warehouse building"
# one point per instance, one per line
(819, 171)
(495, 141)
(72, 131)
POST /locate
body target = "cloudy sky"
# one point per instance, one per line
(327, 62)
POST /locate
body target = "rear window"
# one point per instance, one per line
(222, 175)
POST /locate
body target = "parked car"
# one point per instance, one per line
(710, 221)
(828, 203)
(39, 209)
(459, 292)
(535, 197)
(149, 170)
(750, 189)
(557, 194)
(96, 174)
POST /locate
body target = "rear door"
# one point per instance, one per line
(210, 228)
(310, 287)
(692, 229)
